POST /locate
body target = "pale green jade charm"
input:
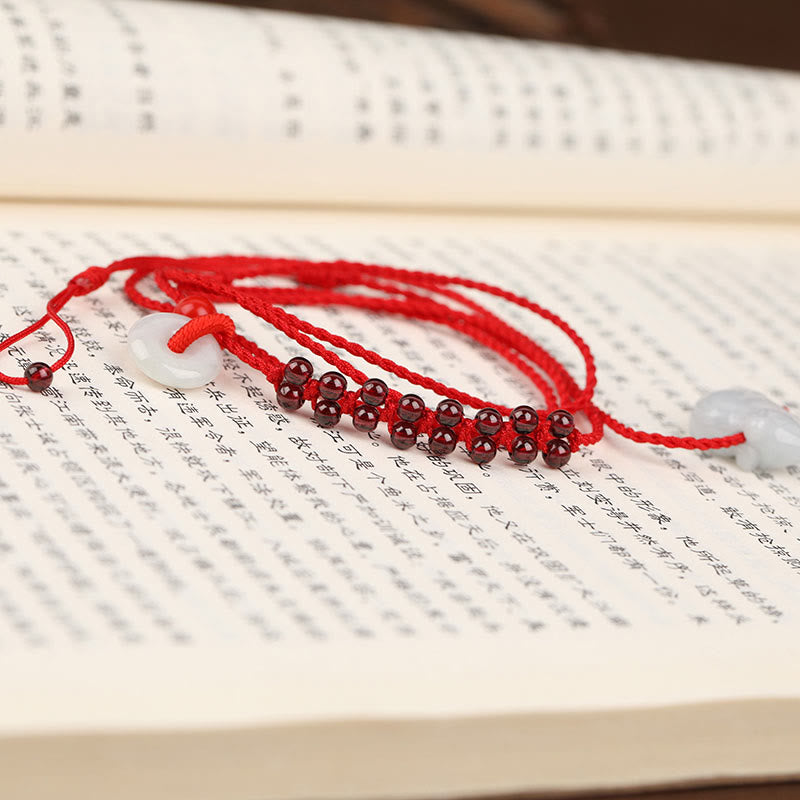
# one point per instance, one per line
(772, 434)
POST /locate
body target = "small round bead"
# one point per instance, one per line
(194, 305)
(482, 450)
(488, 421)
(365, 418)
(556, 453)
(39, 376)
(524, 419)
(442, 440)
(561, 423)
(404, 434)
(327, 413)
(298, 371)
(374, 392)
(523, 450)
(332, 385)
(290, 396)
(410, 407)
(449, 412)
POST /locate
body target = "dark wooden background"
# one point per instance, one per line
(765, 33)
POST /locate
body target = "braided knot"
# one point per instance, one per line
(319, 276)
(89, 280)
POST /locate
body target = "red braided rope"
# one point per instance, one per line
(53, 307)
(413, 294)
(200, 326)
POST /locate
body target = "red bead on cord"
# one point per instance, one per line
(195, 305)
(365, 418)
(195, 284)
(449, 412)
(39, 376)
(523, 450)
(332, 385)
(442, 440)
(410, 407)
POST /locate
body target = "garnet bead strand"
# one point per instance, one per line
(523, 450)
(556, 453)
(290, 396)
(39, 376)
(410, 407)
(298, 371)
(327, 413)
(365, 418)
(524, 419)
(374, 392)
(442, 441)
(488, 421)
(403, 434)
(332, 385)
(449, 412)
(482, 450)
(561, 423)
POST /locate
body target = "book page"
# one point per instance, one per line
(222, 599)
(141, 99)
(137, 516)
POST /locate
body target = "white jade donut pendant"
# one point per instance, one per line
(198, 365)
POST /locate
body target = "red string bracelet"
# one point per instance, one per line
(194, 285)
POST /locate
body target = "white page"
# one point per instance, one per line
(141, 99)
(134, 516)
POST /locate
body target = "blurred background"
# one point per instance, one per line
(740, 31)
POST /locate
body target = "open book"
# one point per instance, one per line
(202, 597)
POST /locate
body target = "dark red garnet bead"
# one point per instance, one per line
(365, 418)
(524, 419)
(195, 305)
(556, 453)
(523, 450)
(327, 413)
(332, 385)
(561, 423)
(404, 434)
(488, 421)
(442, 441)
(410, 407)
(290, 396)
(449, 412)
(39, 376)
(374, 392)
(482, 450)
(298, 371)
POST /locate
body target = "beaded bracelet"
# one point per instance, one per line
(180, 344)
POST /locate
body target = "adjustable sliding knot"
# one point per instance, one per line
(180, 347)
(318, 276)
(89, 280)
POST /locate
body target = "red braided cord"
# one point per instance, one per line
(293, 327)
(200, 326)
(392, 290)
(53, 307)
(420, 308)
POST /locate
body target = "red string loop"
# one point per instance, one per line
(53, 307)
(201, 326)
